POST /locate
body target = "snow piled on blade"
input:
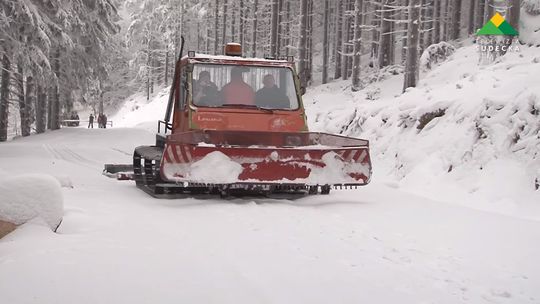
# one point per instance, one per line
(469, 131)
(215, 168)
(30, 196)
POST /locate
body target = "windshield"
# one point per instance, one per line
(218, 85)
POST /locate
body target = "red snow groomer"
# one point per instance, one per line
(237, 125)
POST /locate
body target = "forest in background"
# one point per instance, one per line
(59, 53)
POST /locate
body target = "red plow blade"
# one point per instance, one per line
(229, 157)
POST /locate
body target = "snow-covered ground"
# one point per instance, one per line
(377, 244)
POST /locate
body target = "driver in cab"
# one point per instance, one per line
(237, 91)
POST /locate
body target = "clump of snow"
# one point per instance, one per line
(25, 197)
(335, 171)
(436, 53)
(215, 167)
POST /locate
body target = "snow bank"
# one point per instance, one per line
(26, 197)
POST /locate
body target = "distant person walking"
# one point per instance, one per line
(91, 121)
(104, 120)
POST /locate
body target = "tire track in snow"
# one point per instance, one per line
(64, 153)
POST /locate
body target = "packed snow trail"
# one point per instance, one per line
(376, 244)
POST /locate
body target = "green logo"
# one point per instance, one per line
(497, 26)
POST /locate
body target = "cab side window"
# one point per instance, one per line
(183, 92)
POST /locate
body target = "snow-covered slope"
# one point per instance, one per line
(138, 112)
(482, 150)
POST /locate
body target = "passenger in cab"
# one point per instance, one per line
(237, 91)
(270, 96)
(205, 91)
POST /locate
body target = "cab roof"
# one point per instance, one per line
(223, 59)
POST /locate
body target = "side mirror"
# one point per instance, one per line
(302, 91)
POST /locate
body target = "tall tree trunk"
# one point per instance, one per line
(325, 41)
(392, 41)
(31, 96)
(385, 36)
(345, 40)
(357, 51)
(288, 29)
(411, 64)
(254, 33)
(436, 21)
(456, 19)
(350, 38)
(489, 10)
(24, 112)
(233, 21)
(472, 13)
(101, 93)
(404, 42)
(446, 22)
(19, 89)
(428, 33)
(148, 71)
(216, 27)
(55, 108)
(50, 94)
(279, 29)
(514, 14)
(4, 97)
(167, 64)
(375, 35)
(41, 109)
(274, 28)
(224, 30)
(302, 64)
(309, 35)
(479, 18)
(339, 38)
(242, 21)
